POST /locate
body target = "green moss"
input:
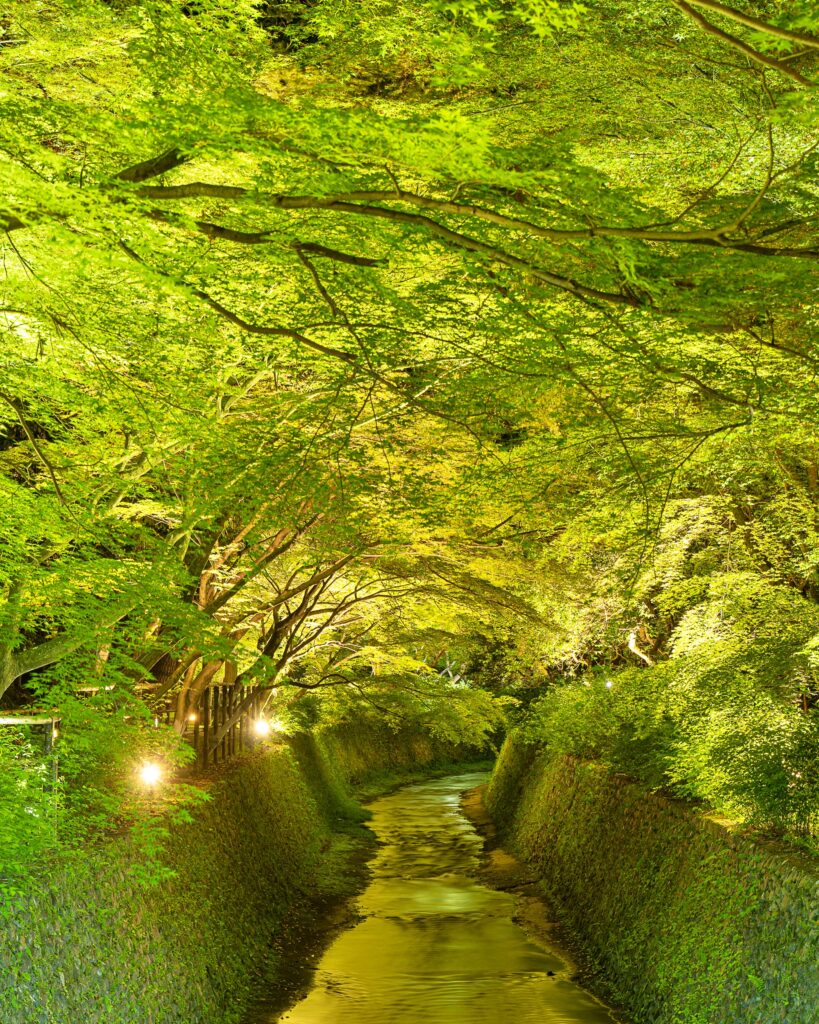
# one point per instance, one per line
(374, 759)
(89, 944)
(97, 946)
(689, 923)
(328, 785)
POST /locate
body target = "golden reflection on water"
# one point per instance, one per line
(436, 946)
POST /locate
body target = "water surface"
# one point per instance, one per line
(435, 945)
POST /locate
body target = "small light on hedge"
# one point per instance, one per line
(609, 684)
(150, 773)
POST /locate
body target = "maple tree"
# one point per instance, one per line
(410, 357)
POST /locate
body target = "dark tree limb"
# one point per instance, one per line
(15, 405)
(245, 325)
(339, 257)
(154, 166)
(755, 23)
(739, 44)
(358, 202)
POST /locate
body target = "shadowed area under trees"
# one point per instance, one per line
(440, 363)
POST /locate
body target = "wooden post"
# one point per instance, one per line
(228, 717)
(242, 729)
(205, 726)
(49, 752)
(216, 722)
(233, 706)
(231, 736)
(228, 714)
(223, 701)
(198, 714)
(233, 727)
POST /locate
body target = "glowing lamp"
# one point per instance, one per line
(609, 684)
(262, 727)
(150, 773)
(192, 716)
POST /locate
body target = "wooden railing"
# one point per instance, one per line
(223, 723)
(50, 725)
(220, 725)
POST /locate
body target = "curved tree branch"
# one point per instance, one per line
(739, 44)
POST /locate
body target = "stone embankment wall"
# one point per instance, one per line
(684, 921)
(87, 943)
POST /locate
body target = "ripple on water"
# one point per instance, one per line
(435, 945)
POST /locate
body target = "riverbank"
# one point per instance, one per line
(682, 920)
(502, 870)
(279, 843)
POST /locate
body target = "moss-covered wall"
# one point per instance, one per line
(92, 945)
(688, 923)
(89, 945)
(360, 750)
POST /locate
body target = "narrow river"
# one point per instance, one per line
(435, 945)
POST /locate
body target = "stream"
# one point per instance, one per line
(434, 945)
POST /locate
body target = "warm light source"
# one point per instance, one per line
(192, 716)
(609, 684)
(262, 727)
(150, 773)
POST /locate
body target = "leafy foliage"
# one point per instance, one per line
(406, 359)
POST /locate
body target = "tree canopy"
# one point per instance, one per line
(434, 360)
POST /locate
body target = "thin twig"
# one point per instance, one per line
(33, 441)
